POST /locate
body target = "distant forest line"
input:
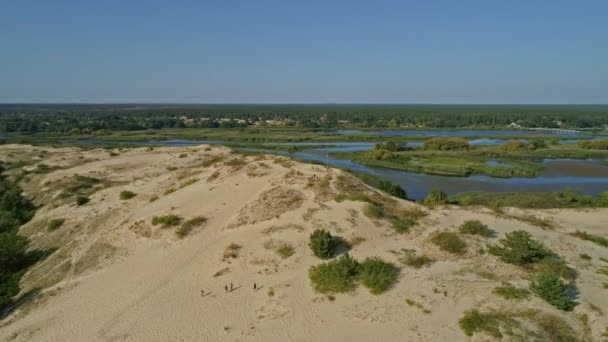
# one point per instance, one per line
(86, 118)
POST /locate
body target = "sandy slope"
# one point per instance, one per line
(115, 276)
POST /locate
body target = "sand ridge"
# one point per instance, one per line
(115, 276)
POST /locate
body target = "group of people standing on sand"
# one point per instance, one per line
(228, 289)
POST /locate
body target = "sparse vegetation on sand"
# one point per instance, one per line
(550, 287)
(282, 248)
(373, 211)
(190, 224)
(126, 195)
(474, 227)
(602, 241)
(166, 220)
(508, 291)
(322, 244)
(416, 261)
(539, 326)
(449, 242)
(55, 224)
(212, 161)
(232, 251)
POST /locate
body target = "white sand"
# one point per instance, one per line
(113, 278)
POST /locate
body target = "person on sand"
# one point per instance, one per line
(202, 293)
(226, 288)
(231, 287)
(254, 286)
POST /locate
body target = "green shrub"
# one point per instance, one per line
(550, 287)
(519, 248)
(392, 188)
(82, 200)
(54, 224)
(509, 291)
(474, 227)
(449, 242)
(377, 274)
(187, 227)
(322, 244)
(416, 261)
(336, 276)
(167, 220)
(436, 197)
(602, 241)
(372, 210)
(446, 144)
(474, 321)
(125, 195)
(514, 146)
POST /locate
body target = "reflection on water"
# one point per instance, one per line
(586, 176)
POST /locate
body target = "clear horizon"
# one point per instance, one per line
(318, 52)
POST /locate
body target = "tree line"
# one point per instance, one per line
(72, 118)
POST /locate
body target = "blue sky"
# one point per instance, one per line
(304, 51)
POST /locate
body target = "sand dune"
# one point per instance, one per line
(115, 276)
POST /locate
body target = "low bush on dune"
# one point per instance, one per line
(550, 287)
(519, 248)
(392, 189)
(449, 242)
(475, 321)
(341, 275)
(436, 197)
(81, 200)
(474, 227)
(416, 261)
(377, 274)
(125, 195)
(232, 251)
(190, 224)
(336, 276)
(322, 244)
(54, 224)
(167, 220)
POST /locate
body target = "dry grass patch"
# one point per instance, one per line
(188, 182)
(231, 251)
(271, 204)
(189, 225)
(282, 248)
(275, 229)
(449, 242)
